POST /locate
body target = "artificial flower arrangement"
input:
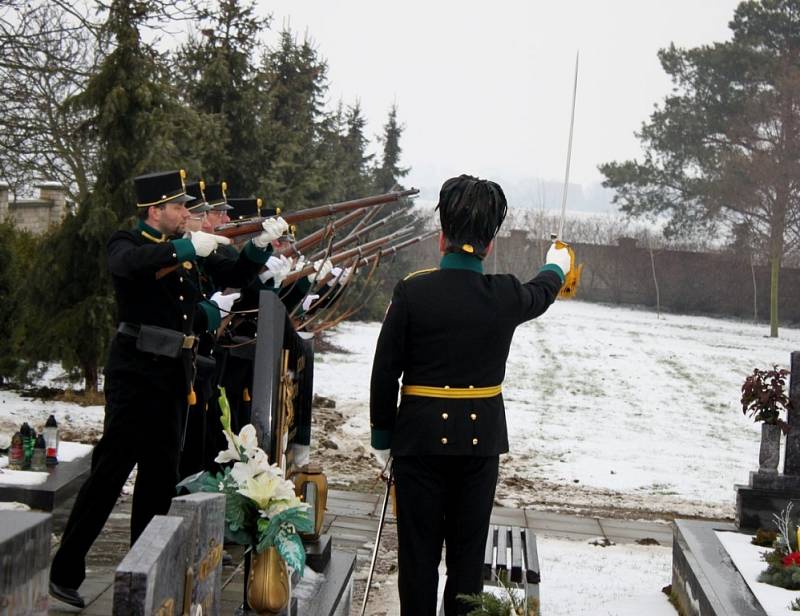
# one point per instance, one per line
(784, 560)
(261, 508)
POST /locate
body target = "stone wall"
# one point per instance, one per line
(688, 282)
(35, 215)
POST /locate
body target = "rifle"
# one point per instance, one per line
(253, 225)
(374, 260)
(345, 255)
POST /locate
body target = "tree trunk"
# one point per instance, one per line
(90, 376)
(775, 268)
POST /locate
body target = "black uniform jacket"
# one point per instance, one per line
(450, 327)
(174, 301)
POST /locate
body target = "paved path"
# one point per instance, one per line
(352, 520)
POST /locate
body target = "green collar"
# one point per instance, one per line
(150, 233)
(455, 260)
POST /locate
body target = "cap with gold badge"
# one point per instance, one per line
(160, 188)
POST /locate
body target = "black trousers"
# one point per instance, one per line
(442, 499)
(142, 426)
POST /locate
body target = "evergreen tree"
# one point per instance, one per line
(138, 128)
(725, 145)
(218, 78)
(389, 173)
(294, 77)
(356, 176)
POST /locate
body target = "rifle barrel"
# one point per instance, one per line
(253, 225)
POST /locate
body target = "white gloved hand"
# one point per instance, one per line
(205, 243)
(560, 257)
(321, 269)
(278, 268)
(310, 299)
(339, 276)
(300, 264)
(381, 456)
(224, 302)
(273, 228)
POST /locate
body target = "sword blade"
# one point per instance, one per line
(381, 522)
(569, 152)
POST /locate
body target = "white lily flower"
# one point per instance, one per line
(248, 439)
(256, 464)
(232, 452)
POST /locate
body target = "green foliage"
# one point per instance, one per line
(389, 172)
(217, 77)
(16, 252)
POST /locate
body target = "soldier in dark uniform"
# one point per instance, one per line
(148, 373)
(447, 332)
(225, 268)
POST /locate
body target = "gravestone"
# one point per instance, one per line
(768, 493)
(61, 482)
(152, 578)
(205, 517)
(24, 562)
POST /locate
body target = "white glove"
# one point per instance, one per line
(300, 454)
(310, 299)
(558, 256)
(273, 229)
(339, 276)
(205, 243)
(278, 268)
(300, 264)
(224, 302)
(321, 269)
(381, 456)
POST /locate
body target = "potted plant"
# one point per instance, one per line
(261, 511)
(763, 397)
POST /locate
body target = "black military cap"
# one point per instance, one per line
(160, 188)
(198, 203)
(244, 207)
(471, 211)
(248, 207)
(216, 197)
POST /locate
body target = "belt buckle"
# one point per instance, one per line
(188, 342)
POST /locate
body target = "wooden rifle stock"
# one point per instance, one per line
(253, 225)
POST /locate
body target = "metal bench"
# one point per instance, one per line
(511, 556)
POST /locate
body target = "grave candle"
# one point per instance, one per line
(51, 440)
(38, 459)
(16, 453)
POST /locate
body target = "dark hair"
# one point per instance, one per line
(471, 211)
(143, 212)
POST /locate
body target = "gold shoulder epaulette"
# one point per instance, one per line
(419, 272)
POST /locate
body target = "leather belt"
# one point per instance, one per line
(132, 329)
(426, 391)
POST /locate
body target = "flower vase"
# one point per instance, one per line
(770, 451)
(268, 584)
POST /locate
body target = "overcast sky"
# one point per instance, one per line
(485, 87)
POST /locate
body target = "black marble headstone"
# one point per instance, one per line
(791, 463)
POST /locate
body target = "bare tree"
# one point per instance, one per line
(47, 56)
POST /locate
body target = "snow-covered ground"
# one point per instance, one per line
(610, 409)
